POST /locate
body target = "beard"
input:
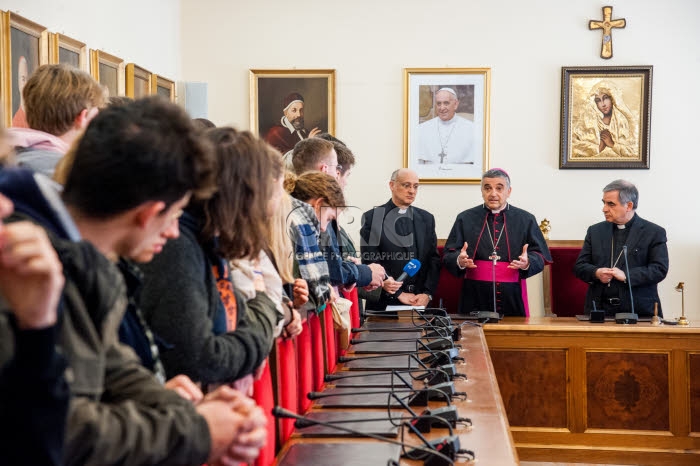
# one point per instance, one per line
(298, 123)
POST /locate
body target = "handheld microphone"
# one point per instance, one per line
(410, 269)
(627, 317)
(444, 451)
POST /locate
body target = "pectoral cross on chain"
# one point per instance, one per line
(606, 25)
(494, 257)
(442, 156)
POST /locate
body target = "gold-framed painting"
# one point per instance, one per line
(605, 117)
(63, 49)
(287, 106)
(139, 81)
(109, 71)
(446, 123)
(24, 48)
(163, 87)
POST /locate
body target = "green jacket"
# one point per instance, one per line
(119, 413)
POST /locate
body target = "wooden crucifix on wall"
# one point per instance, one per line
(607, 25)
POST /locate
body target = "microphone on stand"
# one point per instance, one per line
(434, 356)
(627, 317)
(441, 452)
(418, 396)
(437, 343)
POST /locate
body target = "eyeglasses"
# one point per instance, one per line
(337, 167)
(410, 185)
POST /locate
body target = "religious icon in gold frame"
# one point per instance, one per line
(289, 105)
(446, 123)
(605, 117)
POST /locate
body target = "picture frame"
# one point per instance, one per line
(24, 47)
(446, 124)
(605, 117)
(273, 90)
(108, 70)
(139, 81)
(163, 86)
(63, 49)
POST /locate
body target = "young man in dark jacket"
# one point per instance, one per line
(134, 171)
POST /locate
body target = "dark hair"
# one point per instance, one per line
(308, 153)
(237, 213)
(142, 151)
(329, 137)
(203, 123)
(315, 185)
(346, 159)
(119, 100)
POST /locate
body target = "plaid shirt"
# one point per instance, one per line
(303, 229)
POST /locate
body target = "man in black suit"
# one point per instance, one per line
(393, 234)
(602, 260)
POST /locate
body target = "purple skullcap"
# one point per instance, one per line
(290, 99)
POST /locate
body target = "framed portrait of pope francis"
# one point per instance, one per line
(446, 124)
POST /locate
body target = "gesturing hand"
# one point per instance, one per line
(463, 259)
(522, 262)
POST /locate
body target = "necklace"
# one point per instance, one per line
(495, 257)
(443, 145)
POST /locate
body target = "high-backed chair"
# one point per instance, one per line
(564, 294)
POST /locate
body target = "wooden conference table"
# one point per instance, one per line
(489, 437)
(599, 393)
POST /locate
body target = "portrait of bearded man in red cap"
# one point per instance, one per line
(290, 130)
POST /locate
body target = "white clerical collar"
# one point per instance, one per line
(286, 123)
(403, 211)
(621, 227)
(505, 206)
(448, 122)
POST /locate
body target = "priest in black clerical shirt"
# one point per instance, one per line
(602, 260)
(495, 246)
(395, 233)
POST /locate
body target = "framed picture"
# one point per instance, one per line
(287, 106)
(605, 117)
(63, 49)
(109, 71)
(24, 49)
(139, 81)
(163, 86)
(446, 123)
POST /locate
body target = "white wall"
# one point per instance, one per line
(370, 42)
(143, 32)
(525, 44)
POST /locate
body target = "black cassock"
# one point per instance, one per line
(505, 233)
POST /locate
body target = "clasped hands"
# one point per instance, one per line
(391, 286)
(464, 261)
(606, 275)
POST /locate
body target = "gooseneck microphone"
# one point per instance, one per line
(443, 452)
(627, 317)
